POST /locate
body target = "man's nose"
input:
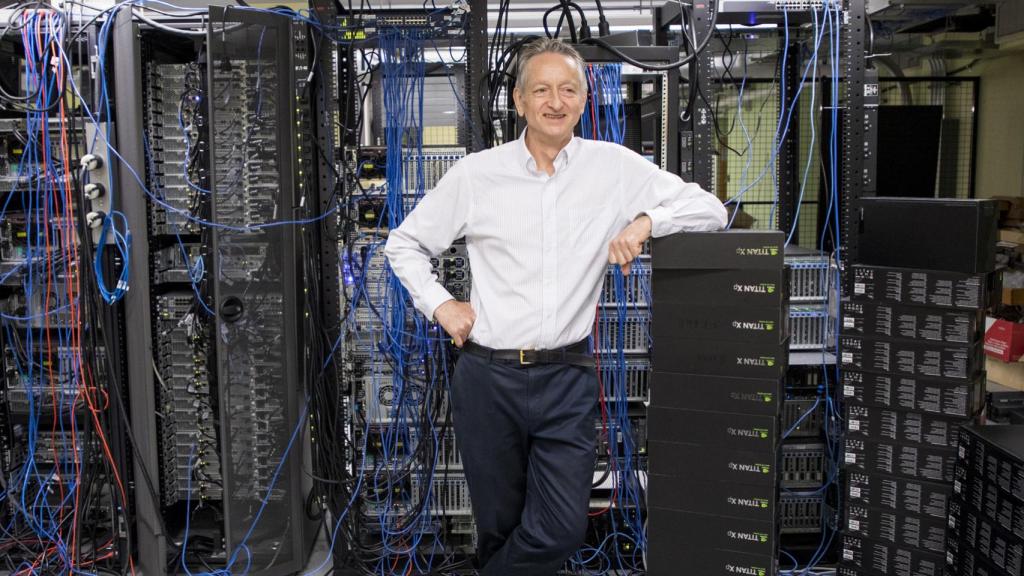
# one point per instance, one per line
(556, 101)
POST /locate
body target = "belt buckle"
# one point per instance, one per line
(522, 359)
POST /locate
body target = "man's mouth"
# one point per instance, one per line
(554, 116)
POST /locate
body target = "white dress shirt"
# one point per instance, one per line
(538, 244)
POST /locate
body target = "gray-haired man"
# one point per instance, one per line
(542, 216)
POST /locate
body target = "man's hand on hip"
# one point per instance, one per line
(457, 319)
(625, 247)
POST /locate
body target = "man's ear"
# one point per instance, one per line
(517, 97)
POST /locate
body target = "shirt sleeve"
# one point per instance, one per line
(438, 219)
(672, 204)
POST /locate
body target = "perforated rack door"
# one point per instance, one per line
(256, 277)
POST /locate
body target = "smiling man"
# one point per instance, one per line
(542, 216)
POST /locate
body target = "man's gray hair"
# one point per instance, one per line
(553, 46)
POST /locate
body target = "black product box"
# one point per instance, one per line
(756, 324)
(876, 556)
(901, 426)
(903, 495)
(910, 358)
(924, 287)
(879, 319)
(689, 288)
(717, 358)
(708, 496)
(745, 432)
(716, 393)
(665, 557)
(957, 398)
(733, 466)
(726, 250)
(901, 529)
(963, 561)
(965, 238)
(996, 454)
(906, 460)
(991, 501)
(709, 532)
(970, 529)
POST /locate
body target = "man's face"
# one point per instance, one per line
(553, 99)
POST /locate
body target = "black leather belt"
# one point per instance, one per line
(577, 354)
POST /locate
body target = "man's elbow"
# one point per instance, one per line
(721, 215)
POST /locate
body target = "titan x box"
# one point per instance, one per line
(710, 496)
(910, 358)
(896, 494)
(924, 287)
(726, 250)
(913, 322)
(899, 528)
(693, 531)
(755, 324)
(716, 393)
(879, 557)
(664, 557)
(906, 460)
(902, 426)
(729, 431)
(689, 288)
(757, 467)
(719, 358)
(958, 398)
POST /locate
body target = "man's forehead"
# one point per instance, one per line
(560, 67)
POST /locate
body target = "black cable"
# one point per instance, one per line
(661, 67)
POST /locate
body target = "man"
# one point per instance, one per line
(541, 216)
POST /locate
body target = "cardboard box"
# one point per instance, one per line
(1013, 297)
(1009, 374)
(1004, 340)
(1014, 235)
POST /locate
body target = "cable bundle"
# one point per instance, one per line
(63, 495)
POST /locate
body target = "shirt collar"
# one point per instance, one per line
(561, 160)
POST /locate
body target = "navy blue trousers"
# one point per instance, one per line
(527, 437)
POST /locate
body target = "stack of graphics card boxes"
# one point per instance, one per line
(986, 514)
(720, 353)
(911, 373)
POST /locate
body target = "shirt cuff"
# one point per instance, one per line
(661, 221)
(434, 295)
